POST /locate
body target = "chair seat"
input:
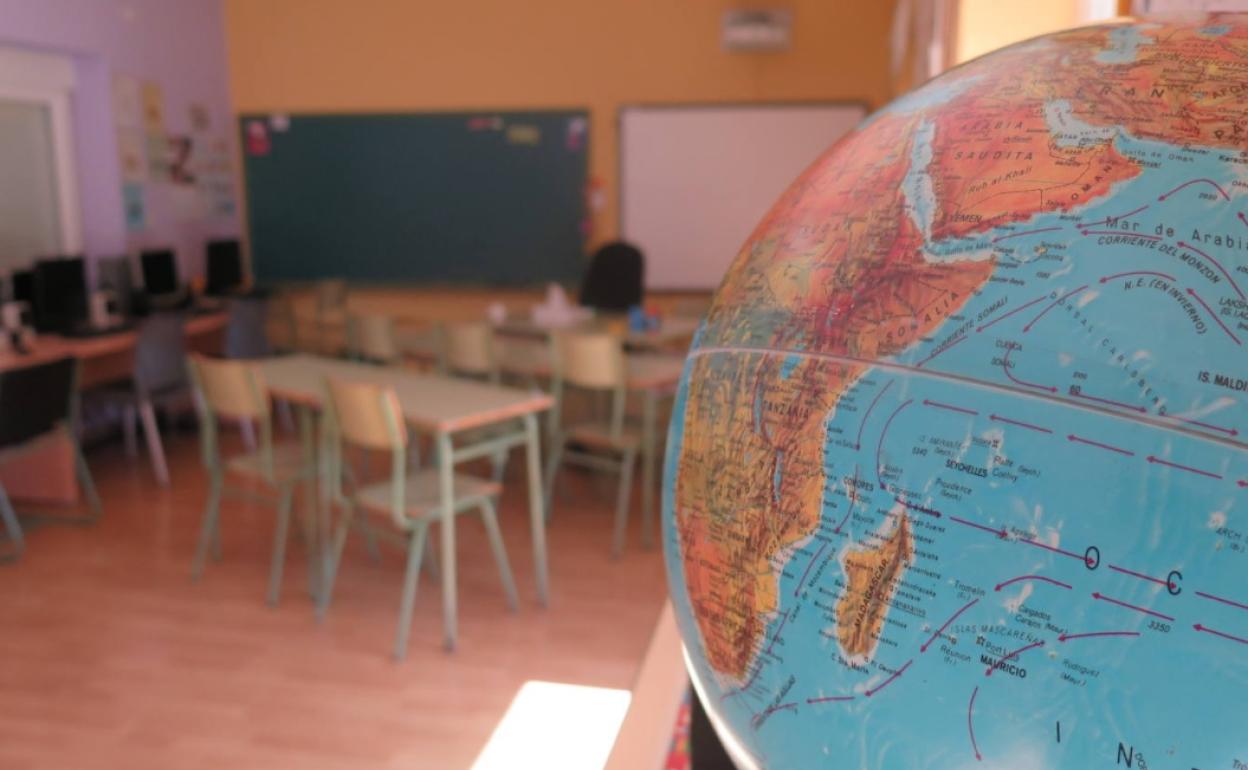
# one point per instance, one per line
(288, 464)
(597, 435)
(422, 494)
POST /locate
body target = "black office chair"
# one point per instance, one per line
(615, 278)
(34, 402)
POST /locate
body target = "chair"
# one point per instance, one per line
(159, 376)
(245, 329)
(331, 311)
(470, 350)
(37, 402)
(282, 324)
(594, 362)
(615, 278)
(234, 390)
(368, 417)
(371, 337)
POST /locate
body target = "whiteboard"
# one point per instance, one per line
(695, 180)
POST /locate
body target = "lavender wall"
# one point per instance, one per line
(179, 44)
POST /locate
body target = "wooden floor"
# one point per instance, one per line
(111, 658)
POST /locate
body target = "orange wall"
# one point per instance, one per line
(411, 55)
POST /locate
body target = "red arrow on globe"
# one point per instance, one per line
(1158, 461)
(1051, 581)
(970, 725)
(1001, 534)
(1207, 630)
(1103, 598)
(1067, 637)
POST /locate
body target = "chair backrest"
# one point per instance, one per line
(371, 337)
(231, 388)
(246, 330)
(284, 320)
(367, 415)
(35, 399)
(615, 278)
(592, 361)
(469, 349)
(160, 353)
(331, 294)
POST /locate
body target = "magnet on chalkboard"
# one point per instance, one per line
(258, 143)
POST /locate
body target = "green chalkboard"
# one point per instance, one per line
(494, 198)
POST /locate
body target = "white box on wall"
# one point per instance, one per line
(764, 29)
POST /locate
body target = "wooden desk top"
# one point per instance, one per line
(50, 347)
(672, 329)
(654, 371)
(646, 371)
(429, 402)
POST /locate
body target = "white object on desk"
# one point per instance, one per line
(557, 311)
(496, 313)
(103, 310)
(15, 315)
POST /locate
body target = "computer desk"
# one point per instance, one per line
(46, 474)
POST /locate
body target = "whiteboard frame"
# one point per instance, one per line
(620, 174)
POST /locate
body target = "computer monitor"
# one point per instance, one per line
(160, 272)
(60, 294)
(24, 286)
(223, 266)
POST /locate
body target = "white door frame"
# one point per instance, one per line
(49, 81)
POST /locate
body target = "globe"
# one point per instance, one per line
(955, 474)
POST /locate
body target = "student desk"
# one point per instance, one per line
(653, 375)
(443, 407)
(47, 474)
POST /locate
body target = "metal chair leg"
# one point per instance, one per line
(156, 449)
(209, 528)
(415, 548)
(498, 467)
(280, 536)
(370, 540)
(130, 429)
(552, 468)
(621, 503)
(431, 561)
(335, 559)
(87, 482)
(13, 527)
(285, 416)
(490, 520)
(248, 430)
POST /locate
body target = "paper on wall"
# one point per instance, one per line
(127, 102)
(153, 108)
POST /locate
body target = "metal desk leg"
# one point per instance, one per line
(649, 416)
(325, 470)
(311, 498)
(446, 496)
(537, 510)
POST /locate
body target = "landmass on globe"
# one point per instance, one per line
(969, 401)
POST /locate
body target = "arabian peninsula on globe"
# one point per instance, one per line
(958, 472)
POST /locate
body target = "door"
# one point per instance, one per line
(30, 216)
